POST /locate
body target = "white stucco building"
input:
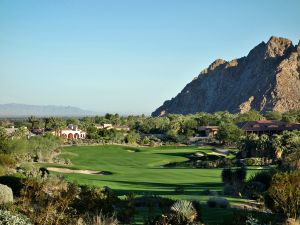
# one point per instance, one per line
(72, 132)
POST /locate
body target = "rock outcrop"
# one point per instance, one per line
(267, 79)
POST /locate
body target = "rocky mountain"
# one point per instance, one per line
(268, 78)
(21, 110)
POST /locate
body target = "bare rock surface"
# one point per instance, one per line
(267, 79)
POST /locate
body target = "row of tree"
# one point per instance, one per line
(145, 124)
(284, 148)
(174, 127)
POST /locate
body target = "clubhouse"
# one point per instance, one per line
(268, 127)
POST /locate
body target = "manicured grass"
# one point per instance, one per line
(140, 170)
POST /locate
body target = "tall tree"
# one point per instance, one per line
(229, 133)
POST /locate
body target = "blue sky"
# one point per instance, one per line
(126, 56)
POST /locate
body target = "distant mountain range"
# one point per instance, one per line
(267, 79)
(22, 110)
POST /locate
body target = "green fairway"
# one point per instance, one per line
(140, 170)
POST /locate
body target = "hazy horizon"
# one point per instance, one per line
(126, 57)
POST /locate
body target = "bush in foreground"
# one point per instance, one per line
(50, 199)
(181, 213)
(184, 210)
(284, 194)
(8, 218)
(239, 217)
(101, 219)
(218, 202)
(258, 184)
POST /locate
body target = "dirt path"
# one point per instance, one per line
(66, 170)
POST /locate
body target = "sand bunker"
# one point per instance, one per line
(66, 170)
(222, 151)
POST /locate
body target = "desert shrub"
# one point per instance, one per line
(291, 160)
(28, 169)
(50, 199)
(254, 189)
(227, 175)
(62, 161)
(224, 162)
(253, 161)
(145, 141)
(250, 218)
(158, 220)
(207, 164)
(217, 202)
(284, 194)
(153, 203)
(234, 178)
(6, 194)
(264, 177)
(168, 220)
(184, 210)
(292, 222)
(7, 160)
(258, 184)
(95, 199)
(198, 207)
(126, 215)
(44, 148)
(2, 170)
(181, 213)
(101, 219)
(235, 219)
(230, 189)
(153, 200)
(9, 218)
(240, 174)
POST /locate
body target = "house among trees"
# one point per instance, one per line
(72, 132)
(208, 131)
(268, 127)
(206, 134)
(108, 126)
(13, 132)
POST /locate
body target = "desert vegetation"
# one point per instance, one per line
(149, 173)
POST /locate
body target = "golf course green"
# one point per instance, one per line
(140, 170)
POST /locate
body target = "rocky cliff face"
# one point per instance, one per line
(268, 78)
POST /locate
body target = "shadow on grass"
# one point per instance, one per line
(155, 188)
(181, 154)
